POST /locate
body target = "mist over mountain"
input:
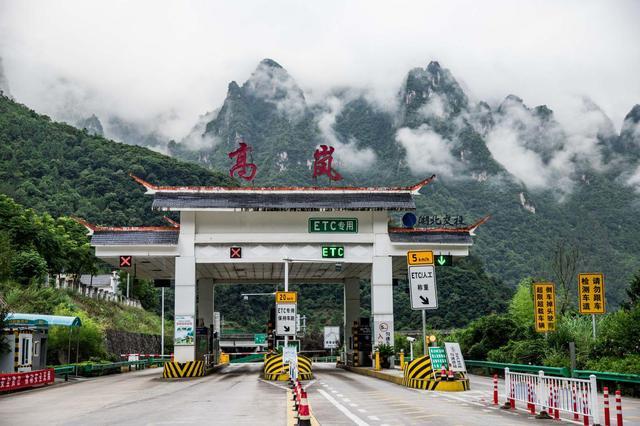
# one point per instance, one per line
(543, 177)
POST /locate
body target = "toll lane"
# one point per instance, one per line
(232, 396)
(342, 398)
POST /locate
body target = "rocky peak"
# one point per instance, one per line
(634, 115)
(424, 85)
(92, 125)
(271, 83)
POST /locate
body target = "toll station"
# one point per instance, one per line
(259, 235)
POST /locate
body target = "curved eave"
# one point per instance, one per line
(154, 189)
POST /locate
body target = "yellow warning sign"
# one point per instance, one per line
(544, 299)
(591, 293)
(415, 257)
(286, 297)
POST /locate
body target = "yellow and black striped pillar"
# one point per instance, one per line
(418, 374)
(176, 370)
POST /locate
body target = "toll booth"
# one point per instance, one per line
(26, 336)
(260, 235)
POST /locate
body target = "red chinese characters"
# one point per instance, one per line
(323, 158)
(245, 170)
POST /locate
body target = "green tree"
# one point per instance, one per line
(633, 292)
(28, 265)
(521, 305)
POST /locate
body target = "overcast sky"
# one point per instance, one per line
(172, 60)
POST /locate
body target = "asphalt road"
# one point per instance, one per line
(342, 398)
(234, 396)
(237, 396)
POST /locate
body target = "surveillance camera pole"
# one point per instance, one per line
(424, 333)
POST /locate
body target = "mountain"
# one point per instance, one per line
(56, 168)
(542, 181)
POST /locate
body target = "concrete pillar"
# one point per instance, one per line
(185, 283)
(351, 308)
(185, 302)
(382, 301)
(205, 301)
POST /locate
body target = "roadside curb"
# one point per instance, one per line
(376, 374)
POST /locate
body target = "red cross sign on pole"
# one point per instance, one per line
(126, 261)
(235, 252)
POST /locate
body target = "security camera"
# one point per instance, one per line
(411, 339)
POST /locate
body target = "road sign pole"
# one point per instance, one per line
(162, 325)
(424, 332)
(593, 324)
(127, 285)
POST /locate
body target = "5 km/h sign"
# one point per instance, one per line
(415, 257)
(422, 282)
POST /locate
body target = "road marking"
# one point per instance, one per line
(362, 410)
(357, 420)
(353, 405)
(374, 418)
(346, 399)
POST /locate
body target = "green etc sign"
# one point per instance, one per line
(332, 252)
(327, 224)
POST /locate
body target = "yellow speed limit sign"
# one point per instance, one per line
(422, 257)
(286, 297)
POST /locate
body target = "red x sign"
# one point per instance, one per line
(235, 252)
(126, 261)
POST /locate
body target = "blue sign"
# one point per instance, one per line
(409, 220)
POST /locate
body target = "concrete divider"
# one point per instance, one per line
(275, 370)
(175, 370)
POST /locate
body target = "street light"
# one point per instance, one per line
(245, 296)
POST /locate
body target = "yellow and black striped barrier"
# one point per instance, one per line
(175, 370)
(419, 374)
(274, 368)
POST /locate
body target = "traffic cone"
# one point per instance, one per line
(443, 372)
(451, 378)
(304, 414)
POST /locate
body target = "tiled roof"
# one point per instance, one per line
(284, 201)
(134, 238)
(96, 280)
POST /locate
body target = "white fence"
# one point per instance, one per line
(554, 394)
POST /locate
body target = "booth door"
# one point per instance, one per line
(25, 352)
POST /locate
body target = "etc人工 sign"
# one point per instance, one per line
(338, 224)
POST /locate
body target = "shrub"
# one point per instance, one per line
(28, 265)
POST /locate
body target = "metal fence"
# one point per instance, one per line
(578, 397)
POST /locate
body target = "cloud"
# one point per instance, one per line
(197, 139)
(145, 59)
(347, 155)
(427, 151)
(273, 84)
(544, 152)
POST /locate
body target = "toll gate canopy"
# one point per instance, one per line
(244, 234)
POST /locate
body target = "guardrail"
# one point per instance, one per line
(608, 377)
(553, 371)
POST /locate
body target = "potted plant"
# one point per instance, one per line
(386, 352)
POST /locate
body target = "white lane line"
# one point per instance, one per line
(357, 420)
(334, 391)
(374, 418)
(340, 395)
(346, 399)
(353, 405)
(362, 410)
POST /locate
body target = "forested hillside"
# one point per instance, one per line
(55, 168)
